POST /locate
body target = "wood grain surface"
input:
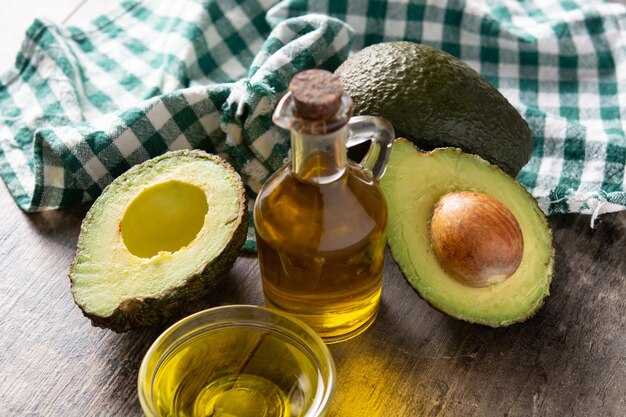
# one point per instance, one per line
(569, 360)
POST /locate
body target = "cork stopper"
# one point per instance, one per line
(316, 94)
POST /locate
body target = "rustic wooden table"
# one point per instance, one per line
(569, 360)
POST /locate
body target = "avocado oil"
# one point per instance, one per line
(231, 375)
(320, 220)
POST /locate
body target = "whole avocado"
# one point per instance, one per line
(436, 100)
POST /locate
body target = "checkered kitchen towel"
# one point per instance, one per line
(84, 104)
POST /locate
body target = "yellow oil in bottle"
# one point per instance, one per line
(234, 374)
(320, 220)
(321, 247)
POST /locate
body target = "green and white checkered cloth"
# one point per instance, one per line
(82, 105)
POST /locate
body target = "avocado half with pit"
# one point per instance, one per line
(157, 238)
(468, 238)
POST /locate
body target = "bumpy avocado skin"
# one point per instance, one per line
(435, 100)
(134, 313)
(399, 251)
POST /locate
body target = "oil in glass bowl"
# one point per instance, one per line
(237, 368)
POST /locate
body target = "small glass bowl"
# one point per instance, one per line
(237, 361)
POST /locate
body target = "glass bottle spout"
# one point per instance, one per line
(318, 113)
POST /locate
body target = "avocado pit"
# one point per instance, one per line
(476, 238)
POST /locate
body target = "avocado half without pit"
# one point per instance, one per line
(467, 237)
(157, 238)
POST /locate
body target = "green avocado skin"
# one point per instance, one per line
(436, 100)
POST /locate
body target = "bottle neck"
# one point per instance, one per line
(318, 159)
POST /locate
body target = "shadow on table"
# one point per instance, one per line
(58, 221)
(417, 361)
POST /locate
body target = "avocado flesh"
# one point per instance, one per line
(413, 183)
(157, 238)
(436, 100)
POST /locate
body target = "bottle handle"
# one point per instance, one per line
(381, 135)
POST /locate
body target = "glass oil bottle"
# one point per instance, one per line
(320, 220)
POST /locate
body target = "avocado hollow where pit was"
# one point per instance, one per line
(157, 238)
